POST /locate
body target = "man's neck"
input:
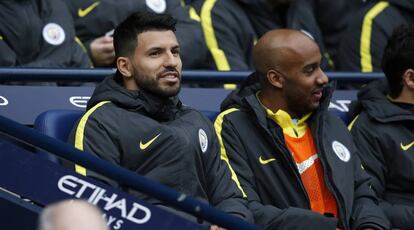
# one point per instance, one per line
(273, 103)
(406, 96)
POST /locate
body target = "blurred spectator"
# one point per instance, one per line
(39, 33)
(315, 17)
(95, 21)
(295, 161)
(363, 43)
(384, 130)
(71, 215)
(136, 120)
(231, 28)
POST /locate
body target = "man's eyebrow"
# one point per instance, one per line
(158, 48)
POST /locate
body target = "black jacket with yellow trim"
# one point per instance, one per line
(384, 133)
(231, 28)
(95, 18)
(367, 34)
(160, 139)
(315, 17)
(39, 33)
(268, 174)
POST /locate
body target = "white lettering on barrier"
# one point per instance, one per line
(77, 187)
(3, 101)
(340, 105)
(79, 101)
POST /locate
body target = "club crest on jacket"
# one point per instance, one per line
(202, 137)
(53, 34)
(341, 151)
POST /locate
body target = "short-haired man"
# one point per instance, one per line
(295, 161)
(136, 120)
(384, 130)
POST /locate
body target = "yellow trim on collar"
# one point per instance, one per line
(285, 121)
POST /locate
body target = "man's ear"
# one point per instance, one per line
(408, 78)
(124, 66)
(275, 78)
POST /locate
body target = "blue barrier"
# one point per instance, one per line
(25, 103)
(189, 76)
(44, 183)
(123, 176)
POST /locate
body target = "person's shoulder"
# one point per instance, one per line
(234, 115)
(104, 110)
(362, 121)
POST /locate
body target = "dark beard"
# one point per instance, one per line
(152, 86)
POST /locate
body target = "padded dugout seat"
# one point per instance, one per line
(57, 124)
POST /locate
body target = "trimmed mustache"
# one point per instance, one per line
(168, 71)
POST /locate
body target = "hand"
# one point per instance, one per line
(102, 51)
(215, 227)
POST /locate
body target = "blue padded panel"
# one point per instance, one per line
(57, 124)
(343, 115)
(210, 114)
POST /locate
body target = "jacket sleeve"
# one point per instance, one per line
(370, 153)
(8, 56)
(229, 34)
(96, 138)
(189, 35)
(365, 56)
(366, 213)
(266, 216)
(223, 189)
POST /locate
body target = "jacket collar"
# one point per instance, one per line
(260, 111)
(158, 108)
(376, 103)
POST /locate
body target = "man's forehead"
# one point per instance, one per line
(157, 38)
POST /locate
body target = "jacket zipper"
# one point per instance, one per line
(288, 157)
(328, 181)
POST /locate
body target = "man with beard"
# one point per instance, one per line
(295, 161)
(135, 120)
(384, 129)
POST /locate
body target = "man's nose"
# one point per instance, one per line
(322, 78)
(171, 59)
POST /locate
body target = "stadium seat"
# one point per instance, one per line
(343, 115)
(210, 114)
(57, 124)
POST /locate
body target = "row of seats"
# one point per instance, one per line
(59, 123)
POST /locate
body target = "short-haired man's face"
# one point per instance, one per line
(157, 63)
(304, 80)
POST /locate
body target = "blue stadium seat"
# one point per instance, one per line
(210, 114)
(57, 124)
(343, 115)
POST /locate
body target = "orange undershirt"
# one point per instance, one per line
(299, 140)
(311, 173)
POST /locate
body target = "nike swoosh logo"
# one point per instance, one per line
(264, 162)
(304, 165)
(83, 12)
(406, 147)
(143, 146)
